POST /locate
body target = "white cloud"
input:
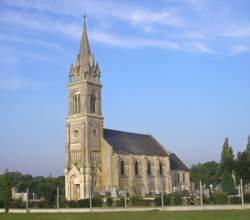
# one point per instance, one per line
(114, 40)
(202, 48)
(239, 49)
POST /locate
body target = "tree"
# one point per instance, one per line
(5, 189)
(227, 167)
(207, 173)
(243, 164)
(227, 158)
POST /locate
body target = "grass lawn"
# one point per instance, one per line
(148, 215)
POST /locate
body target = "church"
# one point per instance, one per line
(100, 161)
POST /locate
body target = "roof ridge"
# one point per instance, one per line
(128, 132)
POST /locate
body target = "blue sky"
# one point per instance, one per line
(178, 69)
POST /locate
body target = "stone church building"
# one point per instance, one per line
(100, 160)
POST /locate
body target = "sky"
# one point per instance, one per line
(177, 69)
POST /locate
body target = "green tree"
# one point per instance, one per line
(243, 164)
(207, 172)
(5, 189)
(227, 167)
(49, 191)
(227, 158)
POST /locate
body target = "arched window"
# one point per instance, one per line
(92, 102)
(79, 103)
(122, 168)
(149, 168)
(73, 105)
(160, 168)
(136, 168)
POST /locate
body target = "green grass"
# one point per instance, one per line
(148, 215)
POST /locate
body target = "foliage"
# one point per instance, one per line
(97, 202)
(227, 184)
(247, 198)
(207, 172)
(227, 158)
(5, 189)
(219, 198)
(109, 201)
(234, 200)
(120, 202)
(136, 200)
(17, 204)
(177, 198)
(166, 200)
(83, 203)
(243, 164)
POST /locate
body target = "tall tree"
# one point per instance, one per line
(227, 166)
(5, 188)
(227, 158)
(243, 163)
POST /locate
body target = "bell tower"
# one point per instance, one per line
(84, 125)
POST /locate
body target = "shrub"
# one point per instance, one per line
(247, 198)
(1, 203)
(83, 203)
(219, 198)
(235, 200)
(17, 204)
(136, 201)
(97, 202)
(109, 201)
(120, 202)
(177, 198)
(72, 204)
(157, 201)
(166, 199)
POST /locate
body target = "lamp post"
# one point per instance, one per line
(242, 193)
(57, 199)
(27, 201)
(125, 196)
(201, 199)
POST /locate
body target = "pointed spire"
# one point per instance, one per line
(84, 51)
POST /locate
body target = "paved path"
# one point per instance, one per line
(133, 209)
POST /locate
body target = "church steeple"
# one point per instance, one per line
(85, 67)
(84, 51)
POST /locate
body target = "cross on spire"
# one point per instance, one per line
(84, 19)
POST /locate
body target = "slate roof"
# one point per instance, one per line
(133, 143)
(176, 163)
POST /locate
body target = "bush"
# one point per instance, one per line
(166, 200)
(109, 201)
(72, 204)
(235, 200)
(1, 203)
(177, 198)
(97, 202)
(120, 202)
(219, 198)
(17, 204)
(247, 198)
(83, 203)
(136, 201)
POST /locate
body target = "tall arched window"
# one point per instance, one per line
(79, 103)
(149, 168)
(76, 103)
(136, 168)
(160, 168)
(122, 168)
(92, 102)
